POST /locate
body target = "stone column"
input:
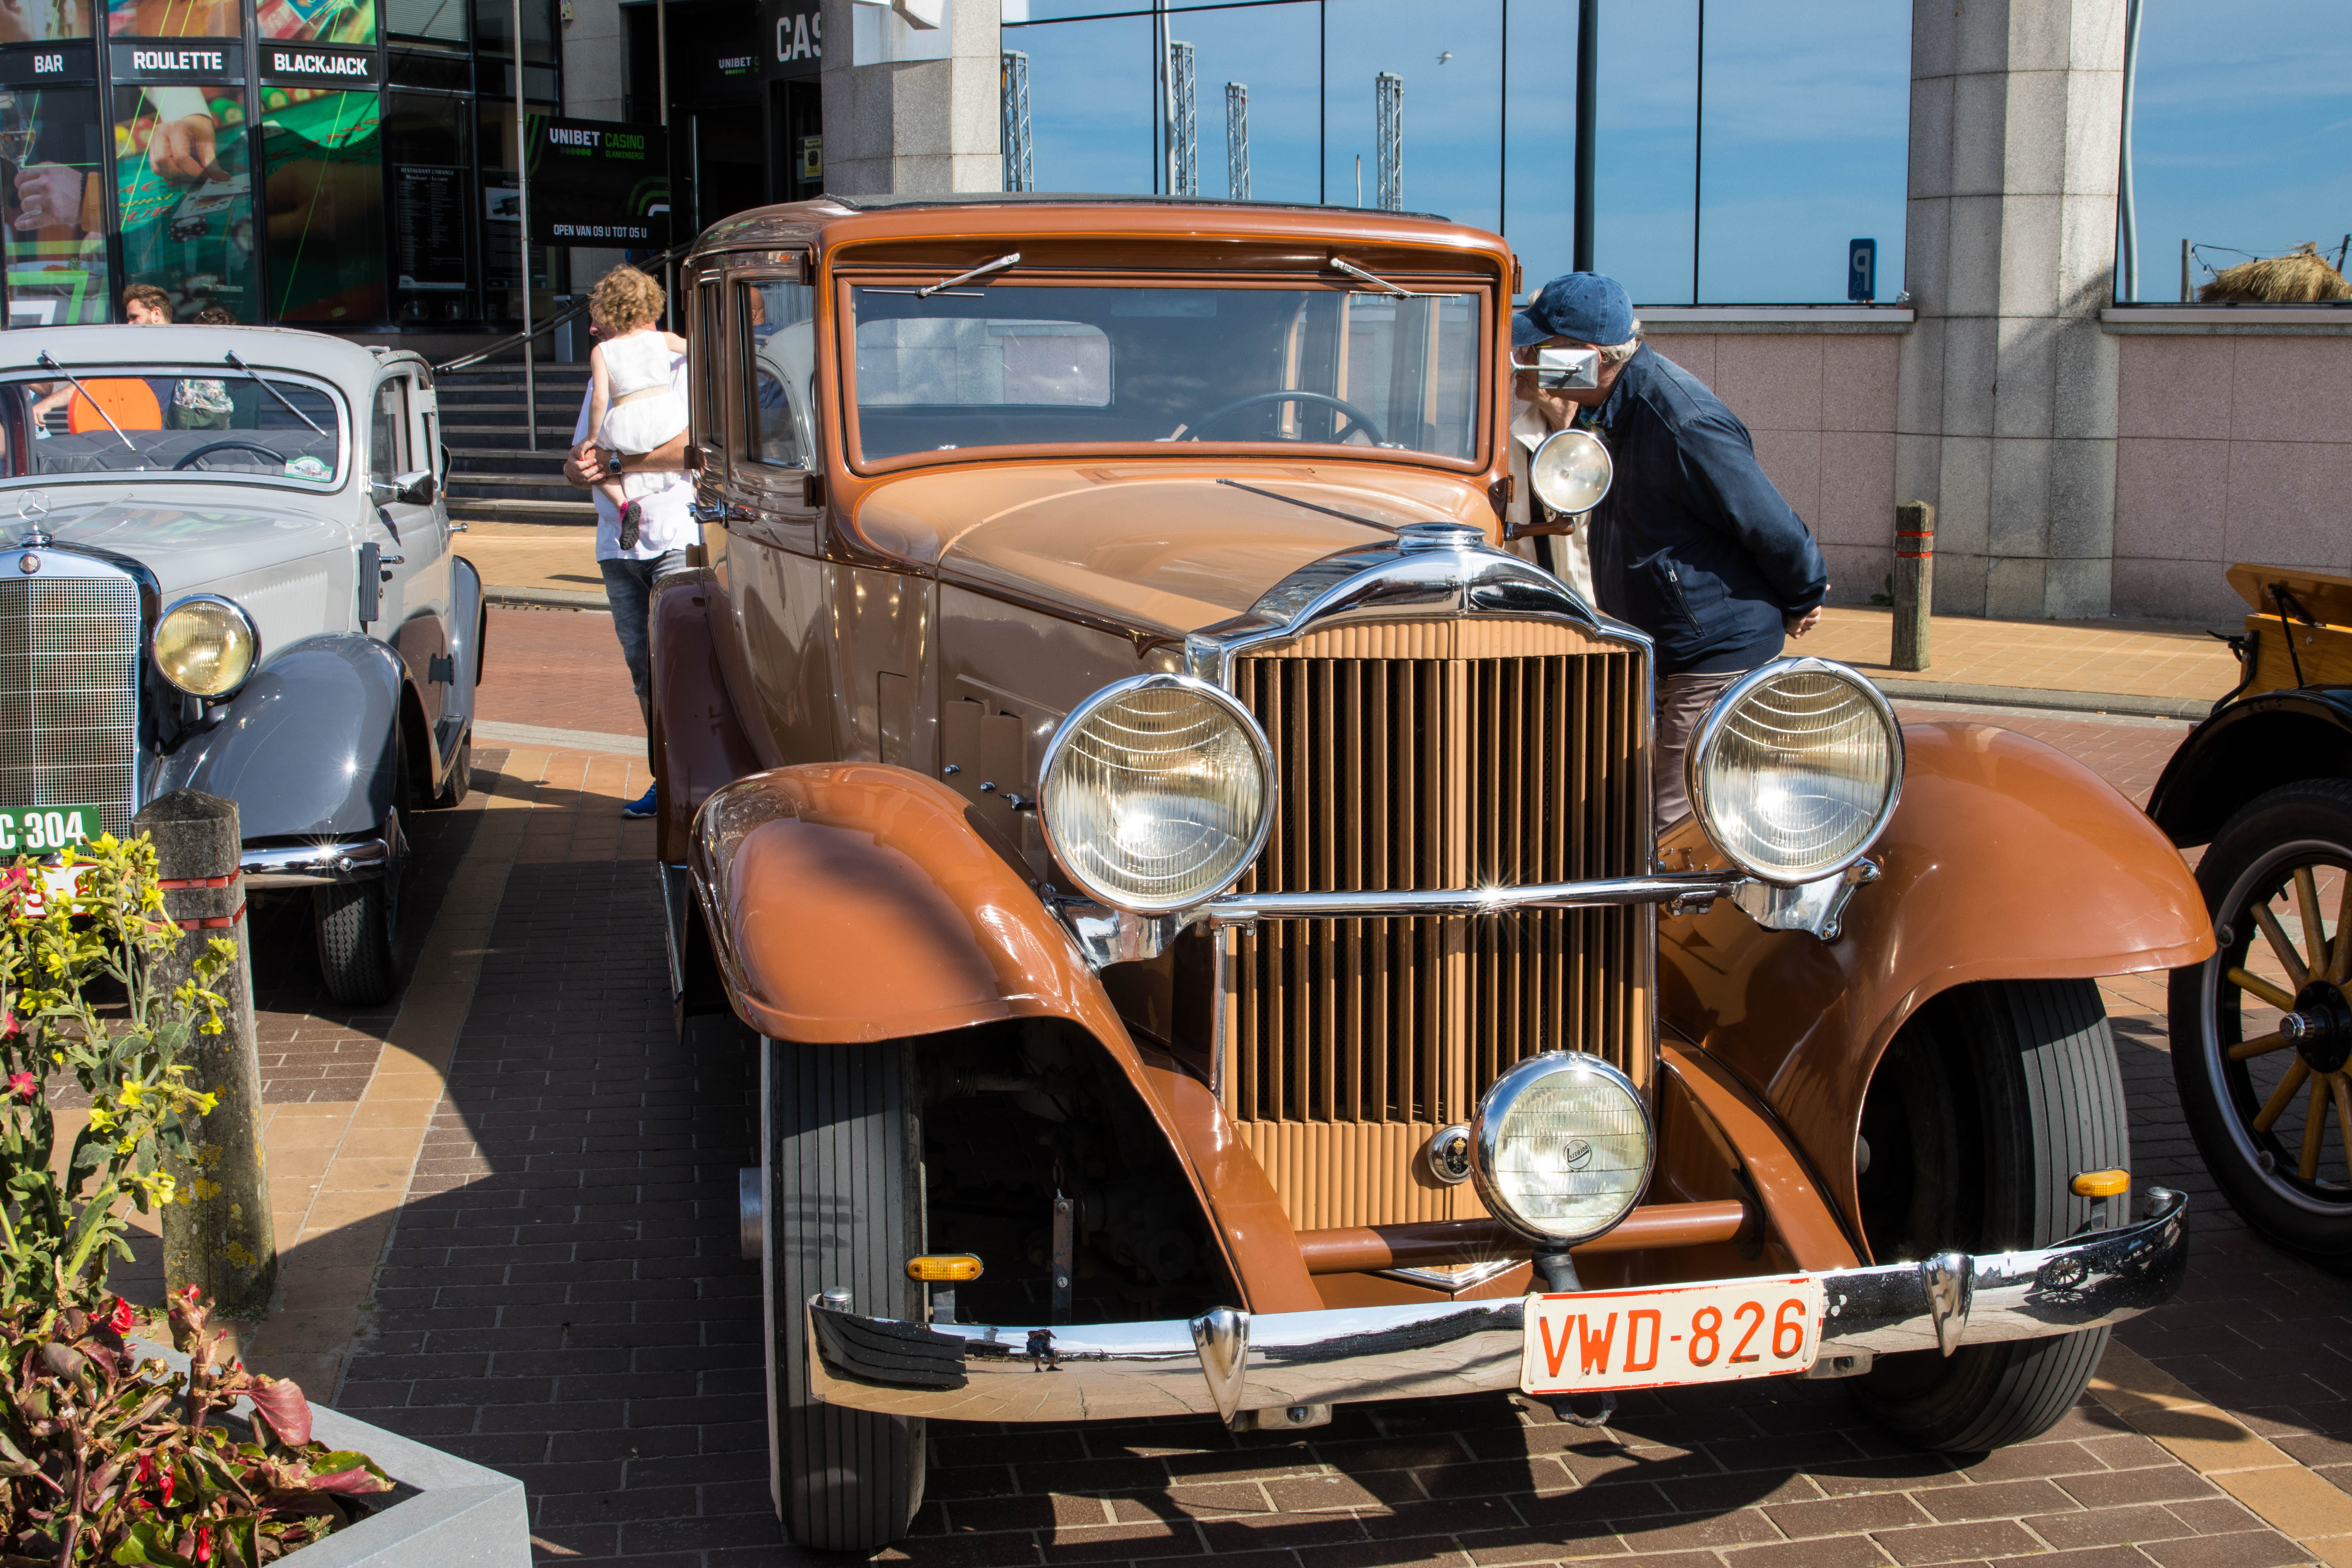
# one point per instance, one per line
(909, 109)
(2006, 408)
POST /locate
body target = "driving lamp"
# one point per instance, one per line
(1796, 770)
(206, 646)
(1561, 1147)
(1157, 793)
(1570, 471)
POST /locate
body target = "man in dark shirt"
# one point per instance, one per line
(1692, 544)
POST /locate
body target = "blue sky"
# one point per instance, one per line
(2245, 114)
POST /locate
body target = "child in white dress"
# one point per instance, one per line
(632, 407)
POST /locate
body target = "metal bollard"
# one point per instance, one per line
(1915, 583)
(218, 1236)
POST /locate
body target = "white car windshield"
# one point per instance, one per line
(1013, 364)
(184, 420)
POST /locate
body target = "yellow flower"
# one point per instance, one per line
(132, 1090)
(101, 1117)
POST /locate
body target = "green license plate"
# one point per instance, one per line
(38, 829)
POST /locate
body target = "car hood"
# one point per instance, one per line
(1150, 549)
(280, 559)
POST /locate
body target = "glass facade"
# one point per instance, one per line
(316, 161)
(1743, 143)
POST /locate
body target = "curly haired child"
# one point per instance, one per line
(632, 406)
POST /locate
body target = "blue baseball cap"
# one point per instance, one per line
(1591, 307)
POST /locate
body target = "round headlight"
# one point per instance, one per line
(1796, 770)
(1561, 1147)
(1157, 793)
(1570, 471)
(206, 646)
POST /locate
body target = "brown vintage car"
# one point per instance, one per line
(1193, 884)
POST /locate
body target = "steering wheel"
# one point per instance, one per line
(1357, 416)
(209, 447)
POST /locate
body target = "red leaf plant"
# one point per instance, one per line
(106, 1459)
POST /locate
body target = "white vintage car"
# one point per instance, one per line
(232, 572)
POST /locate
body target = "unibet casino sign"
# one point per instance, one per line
(599, 181)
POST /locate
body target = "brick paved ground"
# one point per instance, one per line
(561, 1299)
(2144, 659)
(557, 669)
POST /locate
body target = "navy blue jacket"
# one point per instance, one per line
(1692, 544)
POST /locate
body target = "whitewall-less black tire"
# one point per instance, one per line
(1988, 1105)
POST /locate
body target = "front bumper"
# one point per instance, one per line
(364, 858)
(1225, 1362)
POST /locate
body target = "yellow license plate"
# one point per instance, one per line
(1716, 1332)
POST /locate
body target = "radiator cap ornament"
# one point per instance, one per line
(32, 508)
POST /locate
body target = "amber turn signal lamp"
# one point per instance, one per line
(944, 1268)
(2101, 1183)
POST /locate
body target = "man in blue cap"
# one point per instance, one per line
(1692, 544)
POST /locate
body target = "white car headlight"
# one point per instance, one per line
(205, 646)
(1561, 1147)
(1157, 793)
(1796, 770)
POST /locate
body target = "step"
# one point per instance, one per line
(469, 508)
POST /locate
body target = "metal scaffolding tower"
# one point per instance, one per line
(1183, 125)
(1237, 140)
(1388, 89)
(1019, 174)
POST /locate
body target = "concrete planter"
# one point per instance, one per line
(462, 1516)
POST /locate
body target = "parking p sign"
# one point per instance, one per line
(1862, 270)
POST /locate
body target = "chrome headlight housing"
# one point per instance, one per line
(1570, 470)
(205, 646)
(1796, 770)
(1561, 1147)
(1157, 793)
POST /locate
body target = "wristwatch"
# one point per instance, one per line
(613, 465)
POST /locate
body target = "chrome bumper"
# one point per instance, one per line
(314, 865)
(1225, 1362)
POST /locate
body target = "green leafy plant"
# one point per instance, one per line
(59, 954)
(108, 1457)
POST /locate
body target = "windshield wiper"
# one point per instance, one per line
(982, 270)
(1352, 270)
(49, 362)
(1310, 506)
(273, 392)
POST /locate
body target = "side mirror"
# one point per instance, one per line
(418, 489)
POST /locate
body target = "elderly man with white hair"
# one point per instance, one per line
(1692, 544)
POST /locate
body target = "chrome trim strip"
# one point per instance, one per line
(1667, 888)
(361, 859)
(1121, 1371)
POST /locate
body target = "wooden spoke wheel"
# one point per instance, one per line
(2261, 1032)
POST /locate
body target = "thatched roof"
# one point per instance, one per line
(2301, 274)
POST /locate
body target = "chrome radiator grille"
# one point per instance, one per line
(69, 694)
(1520, 761)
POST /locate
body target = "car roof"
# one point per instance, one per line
(831, 221)
(282, 348)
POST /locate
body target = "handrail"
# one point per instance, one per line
(570, 313)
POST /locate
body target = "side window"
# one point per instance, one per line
(388, 443)
(778, 323)
(708, 348)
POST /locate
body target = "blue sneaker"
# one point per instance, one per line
(641, 806)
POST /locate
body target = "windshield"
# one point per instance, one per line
(188, 420)
(1015, 364)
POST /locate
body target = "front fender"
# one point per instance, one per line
(2007, 859)
(306, 748)
(2249, 748)
(850, 902)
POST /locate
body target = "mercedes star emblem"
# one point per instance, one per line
(32, 506)
(28, 564)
